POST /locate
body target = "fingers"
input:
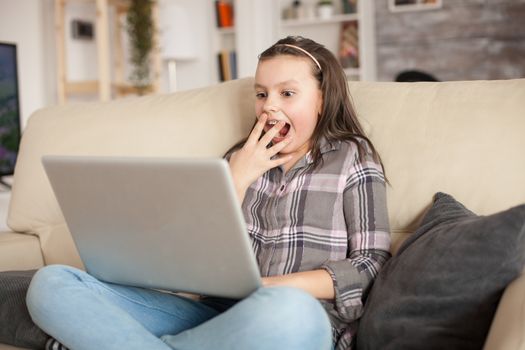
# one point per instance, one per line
(281, 160)
(278, 147)
(275, 149)
(270, 134)
(257, 129)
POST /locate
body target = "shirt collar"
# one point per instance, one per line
(325, 146)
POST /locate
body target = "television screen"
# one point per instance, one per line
(9, 109)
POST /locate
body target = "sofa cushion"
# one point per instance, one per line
(16, 326)
(19, 252)
(443, 287)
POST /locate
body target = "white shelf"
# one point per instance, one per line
(259, 24)
(328, 32)
(319, 21)
(226, 31)
(352, 72)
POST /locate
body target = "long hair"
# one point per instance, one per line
(337, 120)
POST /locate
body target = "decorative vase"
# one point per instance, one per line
(325, 11)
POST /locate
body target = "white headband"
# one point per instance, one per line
(305, 52)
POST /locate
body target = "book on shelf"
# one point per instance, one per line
(349, 6)
(219, 65)
(233, 64)
(227, 64)
(349, 45)
(224, 13)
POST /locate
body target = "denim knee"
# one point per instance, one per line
(296, 313)
(46, 286)
(53, 277)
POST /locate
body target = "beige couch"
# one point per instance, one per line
(463, 138)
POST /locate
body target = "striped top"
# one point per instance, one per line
(333, 217)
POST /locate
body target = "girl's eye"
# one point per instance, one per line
(288, 93)
(260, 95)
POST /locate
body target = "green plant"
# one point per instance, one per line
(140, 28)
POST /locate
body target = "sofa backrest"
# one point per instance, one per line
(463, 138)
(197, 123)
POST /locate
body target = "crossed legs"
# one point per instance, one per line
(84, 313)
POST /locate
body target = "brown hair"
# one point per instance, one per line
(338, 119)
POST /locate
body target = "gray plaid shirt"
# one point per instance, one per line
(333, 217)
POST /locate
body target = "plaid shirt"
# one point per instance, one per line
(333, 217)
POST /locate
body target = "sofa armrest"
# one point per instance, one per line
(507, 331)
(19, 252)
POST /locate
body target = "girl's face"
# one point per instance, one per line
(286, 90)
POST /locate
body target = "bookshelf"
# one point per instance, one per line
(224, 34)
(357, 27)
(338, 18)
(260, 23)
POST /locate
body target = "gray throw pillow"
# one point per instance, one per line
(16, 326)
(443, 287)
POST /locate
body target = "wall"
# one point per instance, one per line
(257, 20)
(30, 24)
(198, 72)
(81, 53)
(464, 40)
(194, 73)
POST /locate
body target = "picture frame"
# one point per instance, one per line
(414, 5)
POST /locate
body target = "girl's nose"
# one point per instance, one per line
(269, 108)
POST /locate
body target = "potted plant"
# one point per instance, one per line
(325, 9)
(141, 30)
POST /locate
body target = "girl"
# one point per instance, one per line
(313, 194)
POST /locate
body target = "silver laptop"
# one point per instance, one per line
(169, 224)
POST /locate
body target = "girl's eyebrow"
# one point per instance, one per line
(286, 82)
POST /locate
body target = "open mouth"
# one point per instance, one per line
(282, 133)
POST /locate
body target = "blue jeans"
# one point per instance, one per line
(84, 313)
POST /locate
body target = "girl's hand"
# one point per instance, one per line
(318, 283)
(255, 158)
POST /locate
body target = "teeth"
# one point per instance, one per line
(272, 122)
